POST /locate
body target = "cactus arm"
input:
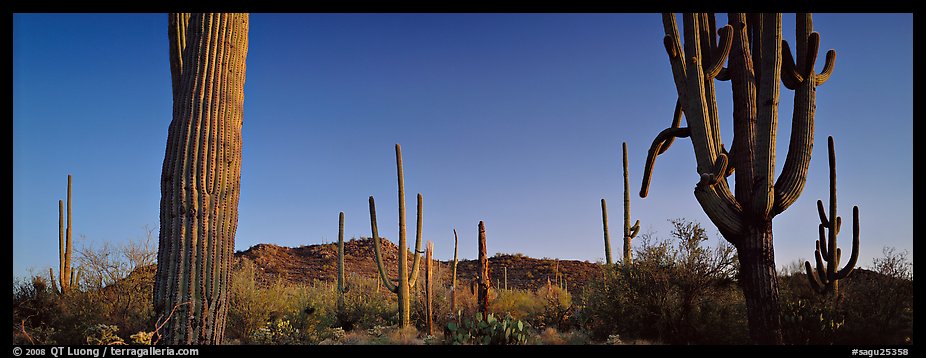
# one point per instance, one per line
(674, 50)
(789, 74)
(635, 229)
(415, 262)
(822, 240)
(827, 68)
(812, 278)
(51, 280)
(377, 250)
(821, 211)
(719, 56)
(853, 258)
(676, 122)
(767, 116)
(654, 150)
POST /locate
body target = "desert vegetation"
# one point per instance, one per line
(680, 287)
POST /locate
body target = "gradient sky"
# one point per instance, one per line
(515, 119)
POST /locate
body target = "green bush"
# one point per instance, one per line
(476, 330)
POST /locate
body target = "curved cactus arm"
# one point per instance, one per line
(413, 278)
(377, 248)
(821, 211)
(654, 149)
(717, 172)
(812, 277)
(676, 122)
(845, 271)
(634, 229)
(823, 249)
(838, 224)
(827, 68)
(790, 76)
(719, 57)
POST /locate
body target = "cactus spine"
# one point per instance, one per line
(405, 281)
(67, 275)
(827, 278)
(759, 59)
(607, 237)
(429, 313)
(484, 277)
(453, 276)
(630, 232)
(200, 178)
(341, 281)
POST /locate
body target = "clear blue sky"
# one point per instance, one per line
(515, 119)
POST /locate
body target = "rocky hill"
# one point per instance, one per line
(305, 264)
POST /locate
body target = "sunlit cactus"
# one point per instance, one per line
(201, 175)
(630, 231)
(406, 282)
(759, 60)
(826, 277)
(453, 276)
(485, 280)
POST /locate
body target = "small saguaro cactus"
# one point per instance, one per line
(67, 275)
(453, 276)
(826, 279)
(406, 281)
(630, 232)
(428, 281)
(607, 236)
(484, 276)
(341, 282)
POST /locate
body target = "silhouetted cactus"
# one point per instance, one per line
(453, 276)
(484, 276)
(341, 282)
(429, 313)
(827, 278)
(201, 175)
(67, 276)
(758, 61)
(405, 281)
(630, 232)
(607, 236)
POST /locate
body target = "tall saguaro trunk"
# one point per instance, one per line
(485, 280)
(759, 61)
(630, 231)
(200, 179)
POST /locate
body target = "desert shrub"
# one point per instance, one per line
(678, 292)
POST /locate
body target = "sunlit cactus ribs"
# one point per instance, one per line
(406, 281)
(453, 276)
(759, 59)
(826, 277)
(201, 176)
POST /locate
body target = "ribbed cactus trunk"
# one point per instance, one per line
(607, 236)
(453, 276)
(826, 278)
(200, 179)
(406, 281)
(341, 281)
(428, 281)
(485, 279)
(759, 60)
(630, 231)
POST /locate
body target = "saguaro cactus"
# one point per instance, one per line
(428, 281)
(485, 279)
(607, 236)
(758, 60)
(200, 179)
(67, 275)
(827, 278)
(341, 282)
(453, 276)
(406, 282)
(630, 232)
